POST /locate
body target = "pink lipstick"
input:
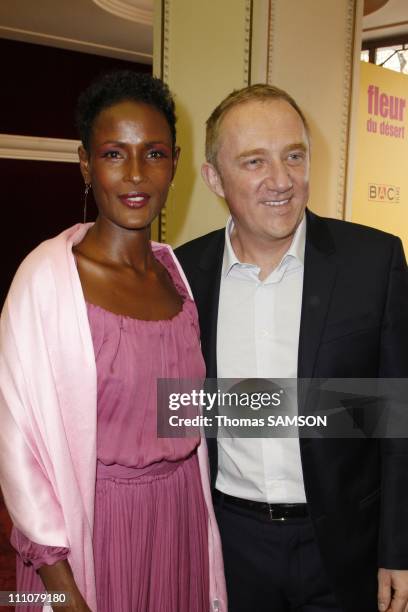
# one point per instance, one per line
(135, 199)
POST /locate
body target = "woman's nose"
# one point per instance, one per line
(134, 170)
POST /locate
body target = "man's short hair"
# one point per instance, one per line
(260, 91)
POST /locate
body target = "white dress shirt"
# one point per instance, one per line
(258, 337)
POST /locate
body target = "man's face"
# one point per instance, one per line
(262, 169)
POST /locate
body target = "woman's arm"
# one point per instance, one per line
(59, 577)
(48, 407)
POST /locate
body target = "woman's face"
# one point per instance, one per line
(130, 164)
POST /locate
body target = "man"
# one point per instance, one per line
(310, 524)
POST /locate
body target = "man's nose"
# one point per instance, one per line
(278, 176)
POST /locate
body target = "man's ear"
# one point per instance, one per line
(84, 164)
(212, 179)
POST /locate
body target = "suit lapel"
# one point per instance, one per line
(206, 293)
(206, 288)
(319, 278)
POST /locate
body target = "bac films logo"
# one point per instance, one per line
(389, 194)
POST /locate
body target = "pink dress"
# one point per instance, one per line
(150, 532)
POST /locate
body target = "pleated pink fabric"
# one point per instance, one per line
(150, 540)
(151, 522)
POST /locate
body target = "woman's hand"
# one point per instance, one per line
(59, 577)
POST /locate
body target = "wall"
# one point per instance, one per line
(40, 86)
(206, 49)
(313, 51)
(203, 54)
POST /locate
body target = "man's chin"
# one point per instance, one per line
(281, 233)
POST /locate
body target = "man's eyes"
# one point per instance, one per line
(296, 156)
(253, 162)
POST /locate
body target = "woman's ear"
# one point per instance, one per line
(212, 179)
(176, 156)
(84, 164)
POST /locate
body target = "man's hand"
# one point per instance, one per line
(392, 590)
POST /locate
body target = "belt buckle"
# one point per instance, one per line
(271, 517)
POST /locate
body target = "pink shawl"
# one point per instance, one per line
(48, 413)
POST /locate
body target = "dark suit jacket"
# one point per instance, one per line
(354, 324)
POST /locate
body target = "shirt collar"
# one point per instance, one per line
(296, 249)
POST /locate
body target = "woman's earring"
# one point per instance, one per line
(87, 188)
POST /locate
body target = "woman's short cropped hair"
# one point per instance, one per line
(259, 91)
(118, 86)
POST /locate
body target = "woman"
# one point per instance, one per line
(93, 318)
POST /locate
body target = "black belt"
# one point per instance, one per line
(272, 512)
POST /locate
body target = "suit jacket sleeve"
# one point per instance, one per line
(393, 537)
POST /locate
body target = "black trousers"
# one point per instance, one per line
(272, 566)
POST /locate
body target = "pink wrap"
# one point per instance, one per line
(48, 413)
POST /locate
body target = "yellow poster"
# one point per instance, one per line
(380, 195)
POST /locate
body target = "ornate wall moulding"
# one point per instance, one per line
(38, 149)
(165, 69)
(82, 46)
(126, 10)
(271, 41)
(346, 112)
(248, 42)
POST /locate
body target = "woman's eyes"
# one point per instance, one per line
(154, 154)
(112, 155)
